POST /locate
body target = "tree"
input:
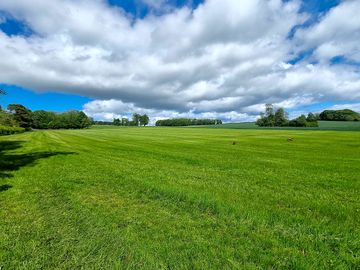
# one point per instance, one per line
(124, 122)
(280, 118)
(117, 122)
(269, 114)
(339, 115)
(311, 117)
(2, 92)
(136, 119)
(42, 119)
(7, 119)
(298, 122)
(301, 120)
(267, 119)
(178, 122)
(22, 115)
(144, 120)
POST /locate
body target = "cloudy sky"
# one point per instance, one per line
(180, 58)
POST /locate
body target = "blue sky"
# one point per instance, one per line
(179, 58)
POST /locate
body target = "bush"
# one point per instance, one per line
(7, 119)
(5, 130)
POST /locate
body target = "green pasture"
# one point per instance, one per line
(180, 198)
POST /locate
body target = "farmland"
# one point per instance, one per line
(180, 198)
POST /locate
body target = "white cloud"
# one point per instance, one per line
(110, 109)
(337, 33)
(352, 106)
(226, 58)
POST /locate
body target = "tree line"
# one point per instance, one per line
(137, 120)
(177, 122)
(339, 115)
(279, 118)
(18, 115)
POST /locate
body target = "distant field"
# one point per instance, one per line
(180, 198)
(323, 125)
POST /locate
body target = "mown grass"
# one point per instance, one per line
(180, 198)
(323, 125)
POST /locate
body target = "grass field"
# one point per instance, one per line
(323, 125)
(180, 198)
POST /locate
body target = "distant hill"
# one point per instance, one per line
(339, 115)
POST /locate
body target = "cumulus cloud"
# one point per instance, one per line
(352, 106)
(110, 109)
(337, 33)
(226, 58)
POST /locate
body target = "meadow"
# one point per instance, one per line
(180, 198)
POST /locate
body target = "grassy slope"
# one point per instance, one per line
(323, 125)
(175, 198)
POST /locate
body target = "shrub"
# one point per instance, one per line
(5, 130)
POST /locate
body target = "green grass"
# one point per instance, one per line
(180, 198)
(323, 125)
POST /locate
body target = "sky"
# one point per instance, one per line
(180, 58)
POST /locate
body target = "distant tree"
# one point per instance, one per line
(83, 120)
(136, 119)
(7, 119)
(298, 122)
(117, 122)
(261, 120)
(280, 118)
(339, 115)
(301, 121)
(269, 113)
(124, 122)
(144, 120)
(102, 123)
(22, 115)
(311, 117)
(132, 123)
(41, 119)
(71, 120)
(186, 122)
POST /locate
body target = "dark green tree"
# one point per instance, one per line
(136, 119)
(280, 118)
(144, 120)
(117, 122)
(22, 115)
(269, 114)
(42, 119)
(339, 115)
(311, 117)
(124, 122)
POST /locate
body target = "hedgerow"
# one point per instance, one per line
(5, 130)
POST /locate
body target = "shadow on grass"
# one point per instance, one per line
(10, 162)
(5, 187)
